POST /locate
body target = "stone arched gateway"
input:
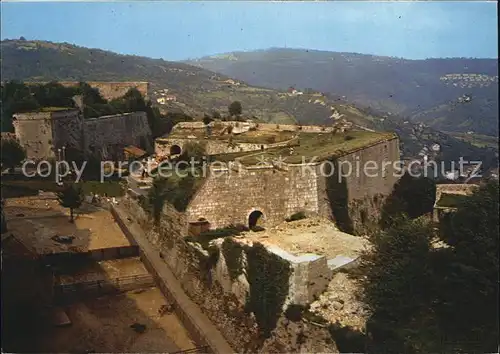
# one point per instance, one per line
(256, 218)
(175, 150)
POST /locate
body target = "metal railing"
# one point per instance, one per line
(101, 287)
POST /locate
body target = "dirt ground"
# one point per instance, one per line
(311, 235)
(34, 220)
(103, 325)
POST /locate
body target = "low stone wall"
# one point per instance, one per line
(104, 254)
(461, 189)
(164, 145)
(258, 126)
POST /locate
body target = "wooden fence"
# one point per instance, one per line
(75, 291)
(101, 254)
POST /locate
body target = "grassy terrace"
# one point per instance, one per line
(451, 200)
(51, 109)
(253, 137)
(322, 145)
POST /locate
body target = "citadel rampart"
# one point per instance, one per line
(108, 135)
(223, 299)
(165, 146)
(108, 90)
(230, 195)
(43, 133)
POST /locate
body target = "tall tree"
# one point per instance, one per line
(436, 299)
(412, 196)
(235, 109)
(468, 303)
(71, 197)
(12, 153)
(396, 282)
(16, 98)
(157, 196)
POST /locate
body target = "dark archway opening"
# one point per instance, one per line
(175, 150)
(255, 220)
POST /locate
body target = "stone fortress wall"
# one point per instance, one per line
(230, 195)
(365, 195)
(108, 135)
(109, 90)
(163, 146)
(42, 133)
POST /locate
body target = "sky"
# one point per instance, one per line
(179, 30)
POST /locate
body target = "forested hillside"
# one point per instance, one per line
(429, 91)
(201, 92)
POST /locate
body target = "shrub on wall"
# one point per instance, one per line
(233, 254)
(175, 190)
(297, 216)
(268, 276)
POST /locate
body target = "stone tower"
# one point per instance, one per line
(41, 133)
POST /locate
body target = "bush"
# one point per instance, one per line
(297, 216)
(294, 312)
(268, 276)
(235, 108)
(233, 254)
(192, 152)
(271, 139)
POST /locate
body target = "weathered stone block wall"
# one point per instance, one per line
(222, 299)
(67, 129)
(34, 133)
(42, 133)
(229, 196)
(108, 135)
(361, 184)
(187, 264)
(364, 193)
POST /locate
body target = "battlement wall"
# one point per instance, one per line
(108, 135)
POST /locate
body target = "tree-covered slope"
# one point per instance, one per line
(199, 91)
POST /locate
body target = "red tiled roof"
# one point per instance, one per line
(135, 151)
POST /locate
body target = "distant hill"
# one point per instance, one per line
(199, 91)
(422, 90)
